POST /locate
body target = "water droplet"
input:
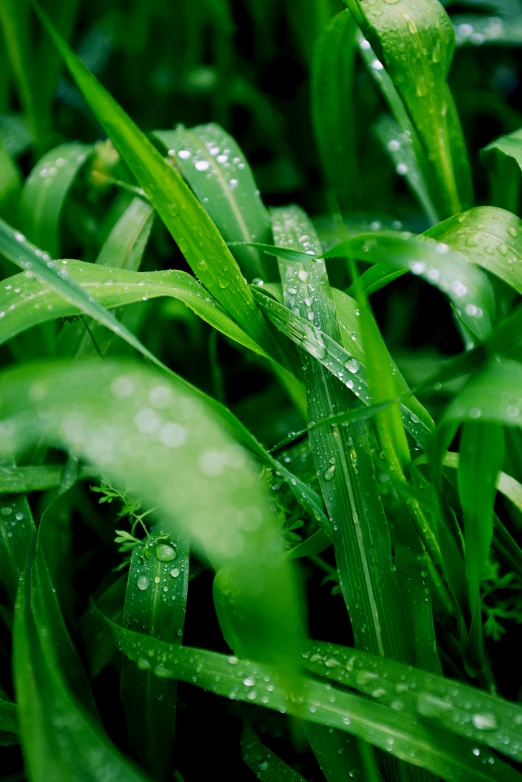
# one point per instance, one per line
(202, 165)
(165, 553)
(329, 473)
(142, 583)
(486, 721)
(175, 572)
(352, 365)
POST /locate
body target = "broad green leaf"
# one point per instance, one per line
(375, 278)
(44, 194)
(218, 173)
(61, 736)
(263, 762)
(333, 107)
(489, 237)
(481, 455)
(503, 157)
(449, 270)
(456, 707)
(215, 497)
(398, 734)
(415, 42)
(184, 217)
(155, 602)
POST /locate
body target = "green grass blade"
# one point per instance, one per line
(15, 21)
(16, 530)
(53, 275)
(45, 699)
(503, 158)
(415, 41)
(398, 734)
(155, 602)
(126, 243)
(10, 183)
(481, 456)
(187, 221)
(263, 762)
(449, 270)
(227, 191)
(342, 460)
(333, 107)
(109, 288)
(488, 236)
(412, 148)
(347, 365)
(123, 249)
(45, 191)
(22, 480)
(399, 148)
(466, 711)
(338, 753)
(215, 497)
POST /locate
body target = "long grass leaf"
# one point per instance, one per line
(388, 729)
(44, 697)
(467, 711)
(155, 602)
